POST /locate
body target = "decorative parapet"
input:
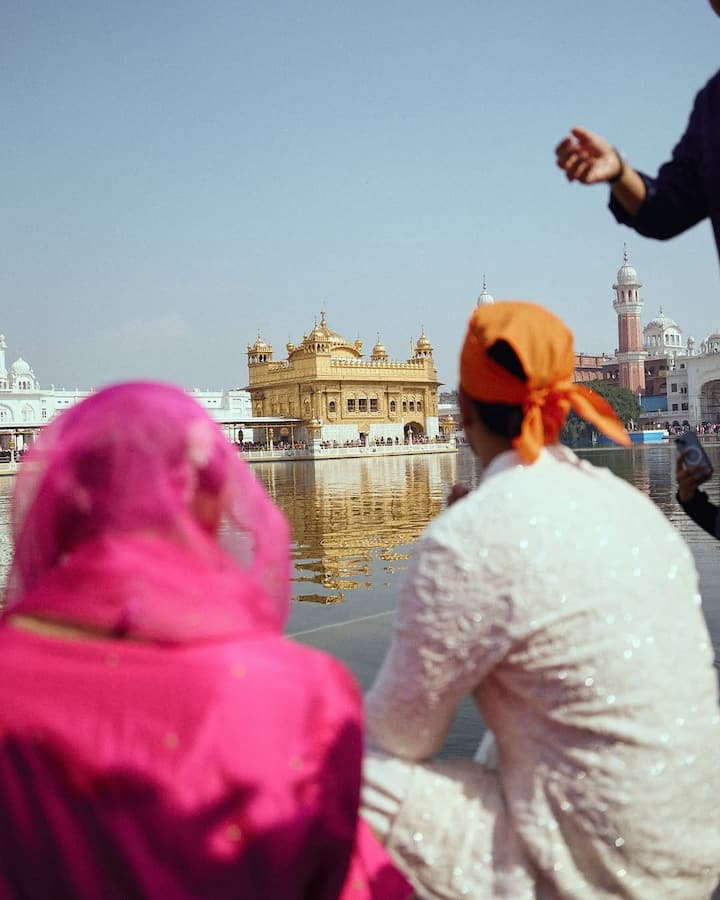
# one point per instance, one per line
(379, 364)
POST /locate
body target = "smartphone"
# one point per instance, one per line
(696, 456)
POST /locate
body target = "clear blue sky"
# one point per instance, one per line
(176, 176)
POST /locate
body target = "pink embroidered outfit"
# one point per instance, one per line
(158, 735)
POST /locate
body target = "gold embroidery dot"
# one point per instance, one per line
(112, 659)
(296, 762)
(238, 670)
(171, 740)
(233, 833)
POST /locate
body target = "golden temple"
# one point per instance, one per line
(342, 396)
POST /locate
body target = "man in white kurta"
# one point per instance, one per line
(566, 605)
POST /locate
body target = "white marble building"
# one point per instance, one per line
(663, 337)
(693, 383)
(25, 406)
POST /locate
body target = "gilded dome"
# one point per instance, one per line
(331, 341)
(423, 344)
(379, 351)
(317, 334)
(259, 346)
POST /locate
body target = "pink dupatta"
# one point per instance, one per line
(118, 471)
(108, 540)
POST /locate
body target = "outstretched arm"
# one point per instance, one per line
(590, 159)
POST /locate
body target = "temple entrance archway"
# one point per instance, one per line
(413, 430)
(710, 401)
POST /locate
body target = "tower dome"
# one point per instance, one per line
(423, 346)
(259, 346)
(379, 351)
(485, 296)
(626, 274)
(260, 351)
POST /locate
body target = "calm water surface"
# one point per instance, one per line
(354, 523)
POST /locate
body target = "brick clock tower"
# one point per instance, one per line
(628, 305)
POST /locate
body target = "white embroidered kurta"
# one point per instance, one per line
(564, 602)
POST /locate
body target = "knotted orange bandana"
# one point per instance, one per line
(544, 346)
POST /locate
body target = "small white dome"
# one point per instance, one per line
(485, 296)
(21, 367)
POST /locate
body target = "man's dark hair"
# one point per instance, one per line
(503, 419)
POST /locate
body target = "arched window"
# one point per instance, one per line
(393, 406)
(331, 406)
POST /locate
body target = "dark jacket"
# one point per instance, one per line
(687, 188)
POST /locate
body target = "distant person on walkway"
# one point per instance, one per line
(696, 503)
(686, 189)
(564, 603)
(159, 738)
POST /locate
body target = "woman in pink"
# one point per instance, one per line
(158, 735)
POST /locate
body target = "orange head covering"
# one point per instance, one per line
(544, 346)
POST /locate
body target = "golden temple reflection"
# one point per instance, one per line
(324, 599)
(347, 514)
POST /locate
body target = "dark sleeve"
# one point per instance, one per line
(702, 511)
(675, 199)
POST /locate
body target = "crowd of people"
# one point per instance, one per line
(382, 441)
(705, 428)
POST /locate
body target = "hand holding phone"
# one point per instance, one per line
(693, 454)
(693, 466)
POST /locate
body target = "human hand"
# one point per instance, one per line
(689, 478)
(587, 157)
(457, 492)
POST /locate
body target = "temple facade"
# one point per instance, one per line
(343, 396)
